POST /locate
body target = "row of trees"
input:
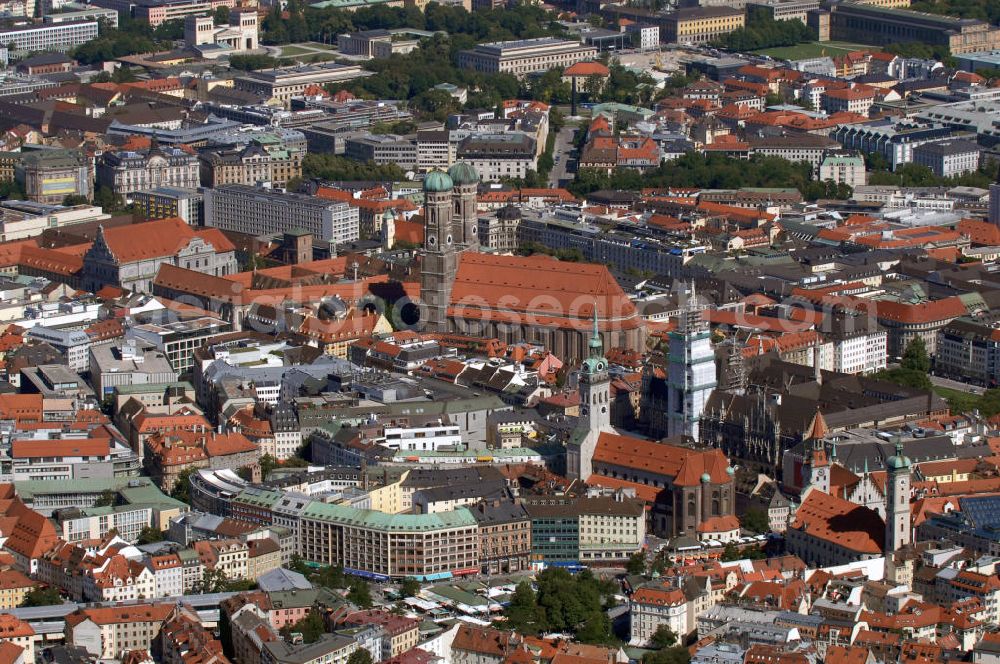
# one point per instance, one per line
(302, 22)
(129, 38)
(984, 10)
(763, 32)
(325, 166)
(714, 171)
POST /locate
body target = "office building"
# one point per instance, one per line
(645, 36)
(128, 363)
(381, 545)
(167, 202)
(868, 24)
(73, 11)
(24, 219)
(782, 10)
(383, 149)
(48, 37)
(525, 56)
(179, 339)
(260, 212)
(156, 12)
(948, 158)
(893, 140)
(128, 172)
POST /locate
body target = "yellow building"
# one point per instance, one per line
(389, 498)
(701, 25)
(13, 587)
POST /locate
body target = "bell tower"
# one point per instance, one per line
(897, 501)
(440, 261)
(595, 409)
(465, 219)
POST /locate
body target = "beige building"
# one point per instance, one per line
(525, 56)
(14, 585)
(611, 527)
(701, 25)
(106, 633)
(389, 545)
(263, 555)
(650, 608)
(843, 168)
(251, 165)
(230, 556)
(281, 84)
(20, 633)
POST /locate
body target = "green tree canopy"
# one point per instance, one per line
(410, 587)
(42, 596)
(663, 637)
(360, 593)
(915, 356)
(360, 656)
(755, 520)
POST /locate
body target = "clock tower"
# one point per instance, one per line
(595, 409)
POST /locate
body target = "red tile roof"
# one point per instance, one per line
(587, 68)
(684, 465)
(840, 522)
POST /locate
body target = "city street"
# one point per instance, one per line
(956, 385)
(561, 174)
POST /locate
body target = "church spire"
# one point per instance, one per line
(596, 345)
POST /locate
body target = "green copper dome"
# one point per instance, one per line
(706, 478)
(898, 461)
(463, 173)
(437, 181)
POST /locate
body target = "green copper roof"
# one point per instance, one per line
(375, 520)
(463, 173)
(898, 461)
(438, 181)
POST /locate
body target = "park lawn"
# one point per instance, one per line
(291, 51)
(813, 50)
(958, 401)
(320, 45)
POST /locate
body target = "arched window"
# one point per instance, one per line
(690, 508)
